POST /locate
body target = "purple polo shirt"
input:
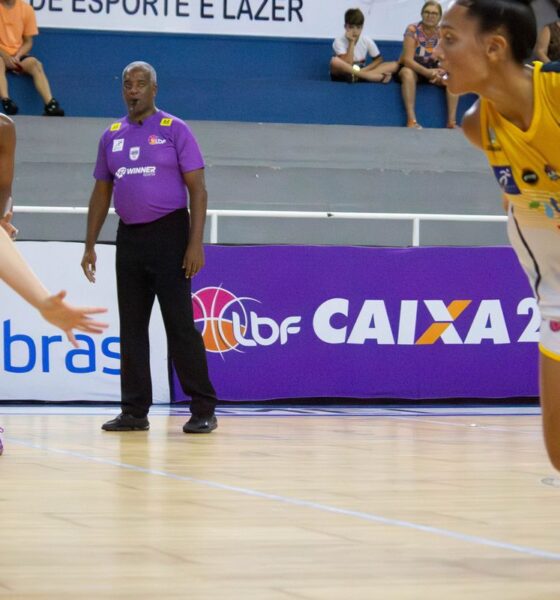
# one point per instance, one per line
(145, 163)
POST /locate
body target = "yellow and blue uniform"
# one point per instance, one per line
(527, 167)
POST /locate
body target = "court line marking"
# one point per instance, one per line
(481, 427)
(370, 517)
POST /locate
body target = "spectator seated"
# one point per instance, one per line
(222, 78)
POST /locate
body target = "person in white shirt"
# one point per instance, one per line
(352, 50)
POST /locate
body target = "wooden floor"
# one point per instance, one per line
(278, 508)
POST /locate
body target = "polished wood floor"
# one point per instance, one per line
(279, 508)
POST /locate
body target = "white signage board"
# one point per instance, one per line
(385, 19)
(36, 360)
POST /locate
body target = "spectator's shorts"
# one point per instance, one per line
(17, 71)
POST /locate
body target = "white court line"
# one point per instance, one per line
(469, 426)
(372, 518)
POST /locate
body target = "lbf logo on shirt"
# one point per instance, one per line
(154, 140)
(504, 175)
(134, 153)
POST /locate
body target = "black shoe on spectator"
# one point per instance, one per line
(52, 109)
(200, 424)
(126, 422)
(9, 106)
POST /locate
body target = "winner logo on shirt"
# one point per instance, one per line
(145, 171)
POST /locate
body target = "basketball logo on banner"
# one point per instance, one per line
(213, 308)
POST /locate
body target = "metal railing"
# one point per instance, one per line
(215, 214)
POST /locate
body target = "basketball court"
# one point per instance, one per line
(316, 503)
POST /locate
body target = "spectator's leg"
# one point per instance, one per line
(452, 101)
(340, 67)
(408, 89)
(382, 72)
(32, 67)
(3, 81)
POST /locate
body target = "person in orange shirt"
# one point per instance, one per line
(17, 28)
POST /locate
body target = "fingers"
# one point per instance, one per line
(191, 270)
(92, 327)
(92, 310)
(89, 271)
(88, 263)
(71, 338)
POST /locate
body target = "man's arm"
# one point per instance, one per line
(25, 47)
(7, 158)
(407, 59)
(543, 41)
(198, 200)
(99, 204)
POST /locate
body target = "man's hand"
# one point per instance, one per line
(11, 63)
(6, 224)
(54, 310)
(89, 261)
(193, 260)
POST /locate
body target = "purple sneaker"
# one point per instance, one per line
(1, 447)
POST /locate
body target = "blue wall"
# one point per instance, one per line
(282, 80)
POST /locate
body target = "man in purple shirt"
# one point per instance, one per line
(148, 161)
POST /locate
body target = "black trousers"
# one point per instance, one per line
(149, 265)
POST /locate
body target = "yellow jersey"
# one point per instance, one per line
(527, 163)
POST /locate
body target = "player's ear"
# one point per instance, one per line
(496, 47)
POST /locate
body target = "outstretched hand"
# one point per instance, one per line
(57, 312)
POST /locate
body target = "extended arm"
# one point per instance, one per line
(19, 276)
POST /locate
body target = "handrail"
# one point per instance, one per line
(214, 214)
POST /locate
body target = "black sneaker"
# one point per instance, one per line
(126, 422)
(200, 424)
(52, 109)
(9, 106)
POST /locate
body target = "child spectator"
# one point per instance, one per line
(17, 28)
(352, 50)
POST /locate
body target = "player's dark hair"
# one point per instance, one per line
(515, 18)
(354, 16)
(432, 3)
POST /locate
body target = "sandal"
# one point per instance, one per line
(413, 124)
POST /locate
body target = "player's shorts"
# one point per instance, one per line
(538, 251)
(549, 343)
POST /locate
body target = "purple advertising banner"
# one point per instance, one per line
(351, 322)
